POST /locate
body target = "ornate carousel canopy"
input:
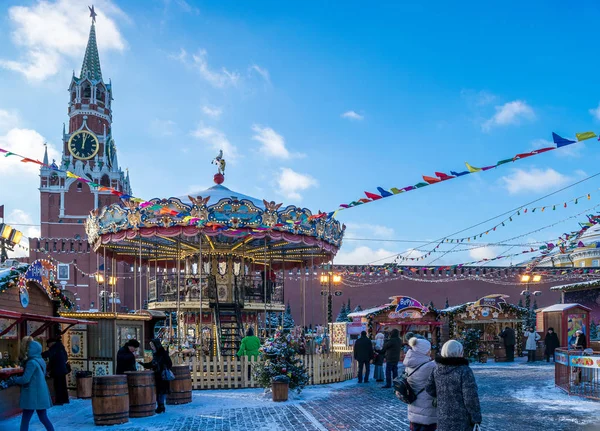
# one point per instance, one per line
(219, 221)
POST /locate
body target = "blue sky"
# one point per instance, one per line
(314, 104)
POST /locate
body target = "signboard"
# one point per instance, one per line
(585, 361)
(403, 302)
(406, 314)
(42, 272)
(561, 358)
(491, 301)
(24, 297)
(347, 360)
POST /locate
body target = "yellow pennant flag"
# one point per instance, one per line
(585, 135)
(472, 168)
(395, 191)
(72, 175)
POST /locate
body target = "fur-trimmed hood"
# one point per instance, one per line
(451, 362)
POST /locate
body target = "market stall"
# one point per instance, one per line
(487, 317)
(565, 319)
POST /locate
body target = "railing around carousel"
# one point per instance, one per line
(577, 373)
(233, 373)
(247, 289)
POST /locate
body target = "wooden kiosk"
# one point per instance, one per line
(565, 319)
(490, 315)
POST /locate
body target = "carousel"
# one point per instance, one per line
(216, 260)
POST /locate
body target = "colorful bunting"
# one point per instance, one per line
(583, 136)
(561, 142)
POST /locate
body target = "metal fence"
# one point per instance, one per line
(577, 373)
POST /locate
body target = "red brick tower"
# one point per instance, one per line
(89, 151)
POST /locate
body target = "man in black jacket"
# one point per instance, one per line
(508, 335)
(57, 368)
(392, 349)
(363, 353)
(551, 342)
(126, 358)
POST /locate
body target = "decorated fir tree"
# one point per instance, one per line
(520, 303)
(357, 309)
(470, 341)
(273, 320)
(280, 354)
(288, 319)
(343, 314)
(447, 303)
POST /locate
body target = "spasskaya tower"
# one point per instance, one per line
(89, 151)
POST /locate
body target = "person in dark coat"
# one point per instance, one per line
(363, 353)
(391, 350)
(454, 386)
(57, 368)
(551, 342)
(126, 357)
(160, 362)
(580, 340)
(508, 336)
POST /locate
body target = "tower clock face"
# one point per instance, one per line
(83, 145)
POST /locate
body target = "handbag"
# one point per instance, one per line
(167, 375)
(404, 391)
(477, 427)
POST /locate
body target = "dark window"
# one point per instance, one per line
(87, 92)
(79, 187)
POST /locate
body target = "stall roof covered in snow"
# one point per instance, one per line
(591, 283)
(368, 311)
(563, 307)
(454, 307)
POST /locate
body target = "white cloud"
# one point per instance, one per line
(352, 115)
(567, 151)
(163, 127)
(219, 79)
(533, 180)
(363, 255)
(28, 143)
(272, 143)
(481, 253)
(8, 120)
(212, 111)
(362, 230)
(596, 112)
(509, 113)
(52, 33)
(261, 71)
(216, 140)
(291, 183)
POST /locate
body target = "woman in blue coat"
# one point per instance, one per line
(35, 395)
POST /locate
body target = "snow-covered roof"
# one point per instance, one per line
(454, 307)
(562, 307)
(368, 311)
(581, 283)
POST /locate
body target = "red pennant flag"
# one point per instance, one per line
(431, 180)
(444, 176)
(372, 196)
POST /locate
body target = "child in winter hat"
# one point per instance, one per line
(420, 345)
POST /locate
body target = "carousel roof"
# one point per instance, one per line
(218, 192)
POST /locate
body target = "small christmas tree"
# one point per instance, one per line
(470, 341)
(447, 303)
(281, 359)
(288, 319)
(593, 331)
(357, 309)
(343, 314)
(273, 320)
(520, 303)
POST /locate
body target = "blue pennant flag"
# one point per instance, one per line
(384, 193)
(459, 174)
(561, 142)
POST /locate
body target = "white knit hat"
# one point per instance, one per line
(420, 345)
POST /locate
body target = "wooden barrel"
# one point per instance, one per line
(280, 391)
(84, 387)
(181, 387)
(110, 400)
(500, 354)
(142, 393)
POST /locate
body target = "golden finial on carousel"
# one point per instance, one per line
(220, 162)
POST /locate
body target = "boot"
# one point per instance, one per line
(160, 409)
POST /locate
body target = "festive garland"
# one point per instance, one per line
(12, 278)
(577, 286)
(57, 293)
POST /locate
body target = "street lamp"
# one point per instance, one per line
(527, 278)
(327, 280)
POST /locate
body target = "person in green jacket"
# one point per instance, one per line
(250, 345)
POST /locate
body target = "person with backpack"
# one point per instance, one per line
(453, 384)
(392, 349)
(161, 364)
(422, 414)
(363, 353)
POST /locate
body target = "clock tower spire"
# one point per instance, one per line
(89, 151)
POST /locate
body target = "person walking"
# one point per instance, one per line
(580, 340)
(531, 344)
(35, 396)
(508, 337)
(249, 345)
(363, 353)
(160, 362)
(57, 368)
(126, 357)
(454, 386)
(378, 360)
(551, 343)
(422, 414)
(392, 349)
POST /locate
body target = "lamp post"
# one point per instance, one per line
(327, 280)
(527, 279)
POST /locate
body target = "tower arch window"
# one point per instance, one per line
(79, 186)
(105, 181)
(596, 262)
(87, 90)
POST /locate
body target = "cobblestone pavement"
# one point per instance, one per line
(513, 397)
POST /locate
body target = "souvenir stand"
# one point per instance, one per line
(216, 259)
(29, 302)
(489, 315)
(566, 319)
(95, 348)
(405, 314)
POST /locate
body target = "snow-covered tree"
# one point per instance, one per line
(520, 302)
(343, 314)
(447, 303)
(273, 320)
(288, 319)
(357, 309)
